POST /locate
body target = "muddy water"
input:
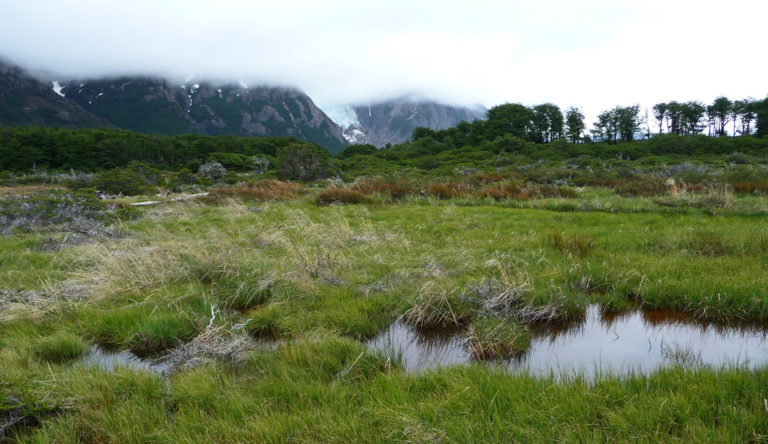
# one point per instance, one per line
(634, 342)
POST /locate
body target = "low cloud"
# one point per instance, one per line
(594, 54)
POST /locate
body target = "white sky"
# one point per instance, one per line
(591, 53)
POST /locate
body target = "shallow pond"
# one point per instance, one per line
(634, 342)
(112, 360)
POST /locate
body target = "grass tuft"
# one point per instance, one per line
(574, 244)
(60, 347)
(436, 308)
(161, 332)
(494, 338)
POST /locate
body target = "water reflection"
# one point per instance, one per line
(633, 342)
(112, 360)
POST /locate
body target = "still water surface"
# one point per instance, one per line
(634, 342)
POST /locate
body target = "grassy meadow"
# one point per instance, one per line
(262, 297)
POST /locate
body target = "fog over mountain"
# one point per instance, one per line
(591, 53)
(155, 105)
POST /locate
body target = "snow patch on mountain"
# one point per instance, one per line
(346, 117)
(57, 88)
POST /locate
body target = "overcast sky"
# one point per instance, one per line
(591, 53)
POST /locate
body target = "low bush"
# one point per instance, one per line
(331, 196)
(449, 190)
(750, 187)
(395, 190)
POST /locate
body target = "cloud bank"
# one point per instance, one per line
(591, 53)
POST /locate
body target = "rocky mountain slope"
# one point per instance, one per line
(154, 105)
(25, 100)
(157, 106)
(394, 121)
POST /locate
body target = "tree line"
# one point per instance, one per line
(545, 123)
(29, 148)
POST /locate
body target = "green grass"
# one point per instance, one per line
(323, 279)
(492, 338)
(59, 347)
(159, 332)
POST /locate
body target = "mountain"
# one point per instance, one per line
(24, 101)
(154, 105)
(394, 121)
(157, 106)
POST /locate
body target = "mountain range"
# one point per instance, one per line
(158, 106)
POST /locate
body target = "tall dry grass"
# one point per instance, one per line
(266, 190)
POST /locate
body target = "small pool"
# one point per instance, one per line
(638, 341)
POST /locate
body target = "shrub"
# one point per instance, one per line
(260, 165)
(330, 196)
(395, 190)
(556, 191)
(185, 176)
(750, 187)
(121, 180)
(448, 190)
(508, 191)
(212, 170)
(303, 161)
(231, 178)
(640, 187)
(230, 160)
